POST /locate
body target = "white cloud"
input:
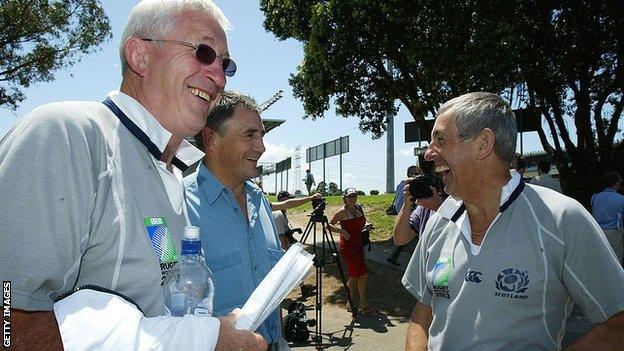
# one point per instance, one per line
(275, 153)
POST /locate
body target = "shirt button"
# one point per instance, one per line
(235, 209)
(255, 267)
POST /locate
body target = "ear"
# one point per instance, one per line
(485, 143)
(137, 55)
(209, 137)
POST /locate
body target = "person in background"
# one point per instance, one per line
(309, 181)
(519, 164)
(238, 234)
(608, 210)
(412, 171)
(94, 244)
(500, 262)
(544, 179)
(352, 221)
(287, 201)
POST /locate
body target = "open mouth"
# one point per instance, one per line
(200, 94)
(252, 159)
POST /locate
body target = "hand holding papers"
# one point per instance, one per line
(289, 271)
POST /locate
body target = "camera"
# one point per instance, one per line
(296, 323)
(420, 186)
(319, 204)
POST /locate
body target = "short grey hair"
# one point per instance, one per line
(476, 111)
(155, 19)
(224, 111)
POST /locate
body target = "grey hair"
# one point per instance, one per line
(224, 111)
(155, 19)
(473, 112)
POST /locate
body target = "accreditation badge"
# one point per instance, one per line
(162, 243)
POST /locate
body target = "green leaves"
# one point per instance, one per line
(38, 37)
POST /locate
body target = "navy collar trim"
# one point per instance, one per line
(514, 195)
(140, 135)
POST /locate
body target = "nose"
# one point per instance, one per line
(431, 152)
(214, 72)
(260, 146)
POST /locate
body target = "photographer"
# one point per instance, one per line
(286, 201)
(352, 223)
(408, 224)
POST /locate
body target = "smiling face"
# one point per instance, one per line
(177, 89)
(454, 158)
(235, 153)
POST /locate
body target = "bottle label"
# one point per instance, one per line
(162, 243)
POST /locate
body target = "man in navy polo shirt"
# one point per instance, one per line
(608, 210)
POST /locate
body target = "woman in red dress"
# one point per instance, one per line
(352, 222)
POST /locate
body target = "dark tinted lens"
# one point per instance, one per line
(205, 54)
(229, 67)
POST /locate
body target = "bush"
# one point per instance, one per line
(374, 192)
(361, 193)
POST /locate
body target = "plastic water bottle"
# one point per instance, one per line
(189, 285)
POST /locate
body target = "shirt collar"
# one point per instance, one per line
(213, 186)
(453, 208)
(186, 152)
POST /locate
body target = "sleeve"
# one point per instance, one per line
(591, 272)
(415, 277)
(398, 202)
(48, 179)
(415, 219)
(116, 324)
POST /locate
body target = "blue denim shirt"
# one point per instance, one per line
(607, 208)
(238, 252)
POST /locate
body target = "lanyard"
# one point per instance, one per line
(147, 142)
(140, 135)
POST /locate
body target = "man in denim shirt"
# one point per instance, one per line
(238, 233)
(608, 210)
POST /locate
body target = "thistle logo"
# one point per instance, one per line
(441, 275)
(512, 283)
(473, 276)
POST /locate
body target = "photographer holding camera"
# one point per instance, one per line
(409, 224)
(352, 223)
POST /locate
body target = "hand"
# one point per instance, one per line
(232, 339)
(407, 197)
(431, 203)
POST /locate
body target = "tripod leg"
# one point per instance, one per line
(336, 259)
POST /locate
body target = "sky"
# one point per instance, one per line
(264, 67)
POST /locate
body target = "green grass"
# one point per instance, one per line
(374, 208)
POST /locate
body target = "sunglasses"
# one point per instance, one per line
(204, 54)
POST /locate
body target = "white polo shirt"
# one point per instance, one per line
(542, 253)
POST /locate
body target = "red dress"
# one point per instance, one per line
(352, 249)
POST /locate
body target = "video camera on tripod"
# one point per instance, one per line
(318, 206)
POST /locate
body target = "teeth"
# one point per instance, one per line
(251, 159)
(442, 168)
(199, 93)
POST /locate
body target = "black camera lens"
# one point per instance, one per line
(420, 186)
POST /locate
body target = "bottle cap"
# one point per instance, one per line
(191, 232)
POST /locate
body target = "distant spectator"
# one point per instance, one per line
(544, 179)
(519, 165)
(608, 210)
(309, 181)
(352, 222)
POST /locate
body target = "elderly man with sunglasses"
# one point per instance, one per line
(93, 205)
